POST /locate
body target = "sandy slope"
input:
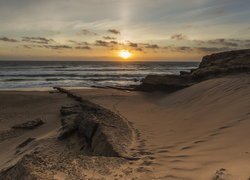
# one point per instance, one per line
(195, 133)
(192, 133)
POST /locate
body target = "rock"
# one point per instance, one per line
(213, 72)
(25, 143)
(100, 131)
(225, 59)
(184, 73)
(222, 64)
(87, 125)
(212, 66)
(69, 94)
(69, 110)
(29, 124)
(167, 83)
(66, 120)
(66, 132)
(221, 174)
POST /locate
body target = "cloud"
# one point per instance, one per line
(204, 50)
(240, 43)
(38, 40)
(134, 45)
(109, 38)
(110, 44)
(223, 42)
(27, 47)
(138, 49)
(185, 48)
(151, 46)
(102, 43)
(79, 43)
(8, 39)
(141, 46)
(87, 32)
(179, 37)
(114, 31)
(212, 50)
(83, 47)
(113, 42)
(57, 47)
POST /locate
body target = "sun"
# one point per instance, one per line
(125, 54)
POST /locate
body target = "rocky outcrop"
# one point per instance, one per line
(20, 129)
(29, 124)
(222, 64)
(226, 59)
(100, 131)
(167, 83)
(211, 66)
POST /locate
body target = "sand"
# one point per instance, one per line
(20, 107)
(200, 132)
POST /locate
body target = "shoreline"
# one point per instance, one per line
(44, 89)
(52, 89)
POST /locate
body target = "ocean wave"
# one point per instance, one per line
(82, 74)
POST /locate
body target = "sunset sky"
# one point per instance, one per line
(99, 29)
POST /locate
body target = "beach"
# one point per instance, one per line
(199, 132)
(124, 90)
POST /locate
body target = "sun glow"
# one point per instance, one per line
(125, 54)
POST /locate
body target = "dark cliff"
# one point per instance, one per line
(211, 66)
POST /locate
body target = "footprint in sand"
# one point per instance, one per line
(163, 151)
(165, 148)
(214, 134)
(243, 119)
(171, 177)
(178, 156)
(187, 147)
(176, 161)
(200, 141)
(185, 169)
(225, 127)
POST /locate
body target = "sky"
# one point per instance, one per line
(152, 30)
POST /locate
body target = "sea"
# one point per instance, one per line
(82, 74)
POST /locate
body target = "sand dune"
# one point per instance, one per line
(191, 134)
